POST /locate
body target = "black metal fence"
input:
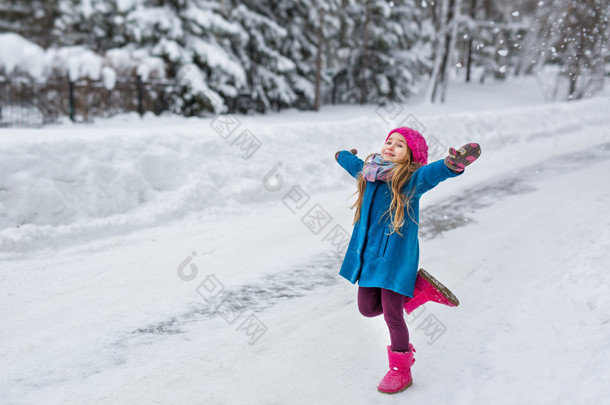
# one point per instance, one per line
(24, 102)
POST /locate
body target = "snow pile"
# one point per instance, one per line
(129, 61)
(19, 54)
(76, 62)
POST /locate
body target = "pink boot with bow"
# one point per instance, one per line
(427, 288)
(399, 377)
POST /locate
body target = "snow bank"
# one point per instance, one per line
(497, 128)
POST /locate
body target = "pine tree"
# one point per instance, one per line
(385, 51)
(211, 43)
(90, 23)
(258, 55)
(482, 34)
(277, 55)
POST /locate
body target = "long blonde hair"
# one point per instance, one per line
(399, 176)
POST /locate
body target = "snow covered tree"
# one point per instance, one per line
(301, 20)
(91, 23)
(485, 35)
(197, 43)
(516, 18)
(259, 55)
(210, 46)
(275, 80)
(311, 29)
(495, 33)
(407, 54)
(384, 50)
(574, 36)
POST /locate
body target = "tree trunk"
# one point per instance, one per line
(473, 13)
(364, 56)
(438, 55)
(529, 51)
(500, 43)
(434, 14)
(316, 103)
(572, 91)
(488, 7)
(448, 60)
(574, 53)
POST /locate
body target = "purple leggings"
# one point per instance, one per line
(373, 301)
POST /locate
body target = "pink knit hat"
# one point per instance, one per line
(415, 142)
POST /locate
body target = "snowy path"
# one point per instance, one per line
(436, 219)
(109, 321)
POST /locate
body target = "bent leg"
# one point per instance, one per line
(369, 301)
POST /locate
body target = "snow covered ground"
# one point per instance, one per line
(172, 260)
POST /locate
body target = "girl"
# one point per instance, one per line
(383, 252)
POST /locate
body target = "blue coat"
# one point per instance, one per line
(374, 258)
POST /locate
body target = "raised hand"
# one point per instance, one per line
(354, 152)
(457, 160)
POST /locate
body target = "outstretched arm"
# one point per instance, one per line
(349, 161)
(429, 176)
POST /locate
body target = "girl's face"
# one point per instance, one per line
(395, 148)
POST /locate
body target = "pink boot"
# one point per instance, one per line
(399, 377)
(427, 288)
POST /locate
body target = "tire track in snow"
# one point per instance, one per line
(269, 291)
(436, 219)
